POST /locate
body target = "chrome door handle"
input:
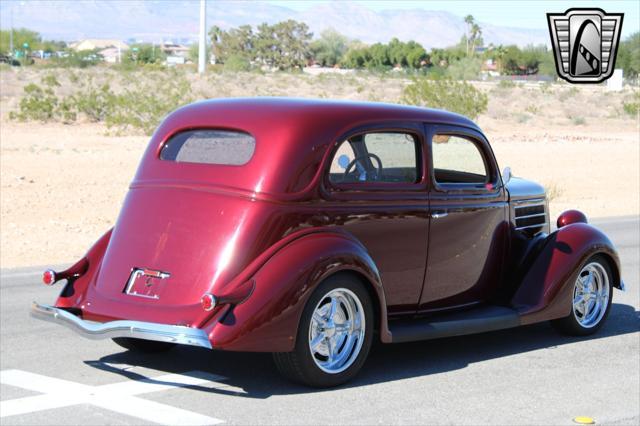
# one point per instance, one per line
(438, 215)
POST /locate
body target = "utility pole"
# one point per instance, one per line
(11, 32)
(202, 46)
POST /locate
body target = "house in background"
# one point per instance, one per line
(94, 43)
(177, 54)
(111, 50)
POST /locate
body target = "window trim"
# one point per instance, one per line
(481, 143)
(160, 147)
(414, 129)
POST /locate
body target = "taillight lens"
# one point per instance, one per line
(49, 277)
(208, 301)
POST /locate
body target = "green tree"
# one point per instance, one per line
(629, 56)
(234, 42)
(529, 60)
(20, 37)
(329, 49)
(357, 56)
(284, 45)
(469, 20)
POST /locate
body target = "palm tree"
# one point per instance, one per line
(476, 32)
(470, 22)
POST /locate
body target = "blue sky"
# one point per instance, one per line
(522, 14)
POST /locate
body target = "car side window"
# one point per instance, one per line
(457, 160)
(376, 157)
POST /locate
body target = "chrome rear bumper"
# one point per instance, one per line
(135, 329)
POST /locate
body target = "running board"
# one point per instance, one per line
(477, 320)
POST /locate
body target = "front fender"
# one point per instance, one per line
(547, 288)
(268, 320)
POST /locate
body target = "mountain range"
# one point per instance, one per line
(159, 20)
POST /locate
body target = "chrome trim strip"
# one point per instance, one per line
(532, 226)
(123, 328)
(530, 216)
(529, 203)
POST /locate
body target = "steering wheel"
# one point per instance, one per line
(356, 161)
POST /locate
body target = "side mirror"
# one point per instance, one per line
(506, 175)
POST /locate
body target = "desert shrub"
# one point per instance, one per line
(140, 107)
(546, 87)
(521, 117)
(143, 107)
(95, 103)
(38, 104)
(578, 121)
(566, 94)
(506, 84)
(456, 96)
(632, 107)
(465, 69)
(73, 59)
(532, 109)
(50, 80)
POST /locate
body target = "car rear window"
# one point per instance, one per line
(222, 147)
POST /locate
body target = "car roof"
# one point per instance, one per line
(287, 111)
(292, 135)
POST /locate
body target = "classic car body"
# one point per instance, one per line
(228, 255)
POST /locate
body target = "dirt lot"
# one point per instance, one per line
(62, 185)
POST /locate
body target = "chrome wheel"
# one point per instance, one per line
(336, 331)
(591, 295)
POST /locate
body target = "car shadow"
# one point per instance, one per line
(257, 376)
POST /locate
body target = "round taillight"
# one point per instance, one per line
(49, 277)
(208, 301)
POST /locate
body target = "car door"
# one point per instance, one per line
(468, 219)
(376, 191)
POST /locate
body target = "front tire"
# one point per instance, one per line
(592, 294)
(141, 345)
(334, 335)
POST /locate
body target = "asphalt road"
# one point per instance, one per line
(530, 375)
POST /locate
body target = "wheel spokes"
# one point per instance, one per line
(317, 341)
(336, 332)
(591, 294)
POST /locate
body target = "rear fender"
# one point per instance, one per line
(268, 320)
(74, 291)
(547, 288)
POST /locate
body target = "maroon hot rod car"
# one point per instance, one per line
(310, 228)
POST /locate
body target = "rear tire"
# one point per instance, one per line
(592, 294)
(334, 335)
(140, 345)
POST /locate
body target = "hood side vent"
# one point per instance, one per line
(531, 216)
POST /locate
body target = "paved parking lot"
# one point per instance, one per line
(530, 375)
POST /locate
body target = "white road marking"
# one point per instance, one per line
(20, 274)
(119, 397)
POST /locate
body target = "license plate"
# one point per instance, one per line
(144, 282)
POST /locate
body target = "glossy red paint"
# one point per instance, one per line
(547, 289)
(260, 237)
(571, 216)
